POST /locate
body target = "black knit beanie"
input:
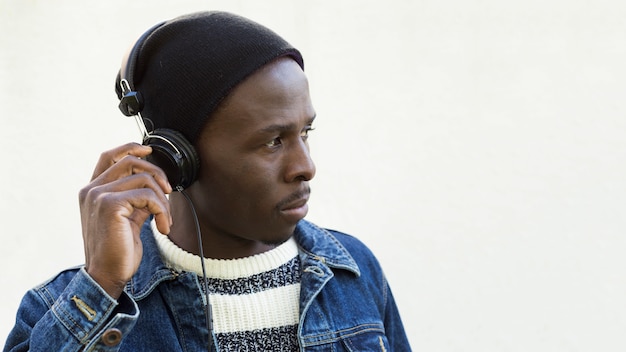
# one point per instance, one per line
(188, 65)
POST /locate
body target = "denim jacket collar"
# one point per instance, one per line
(314, 243)
(152, 270)
(321, 245)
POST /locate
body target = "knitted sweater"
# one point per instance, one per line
(254, 299)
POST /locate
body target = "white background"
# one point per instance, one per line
(478, 147)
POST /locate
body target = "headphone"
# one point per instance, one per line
(171, 151)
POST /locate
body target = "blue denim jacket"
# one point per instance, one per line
(345, 305)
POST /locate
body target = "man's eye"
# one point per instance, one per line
(305, 132)
(274, 142)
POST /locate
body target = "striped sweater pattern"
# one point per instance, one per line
(254, 299)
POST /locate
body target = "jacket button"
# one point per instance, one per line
(112, 337)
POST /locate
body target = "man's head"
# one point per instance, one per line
(238, 92)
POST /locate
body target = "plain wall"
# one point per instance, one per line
(478, 147)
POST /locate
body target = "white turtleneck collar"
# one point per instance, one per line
(181, 260)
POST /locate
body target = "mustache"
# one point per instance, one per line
(294, 197)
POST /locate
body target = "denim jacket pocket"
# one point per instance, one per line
(366, 340)
(361, 338)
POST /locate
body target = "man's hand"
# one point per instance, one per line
(123, 192)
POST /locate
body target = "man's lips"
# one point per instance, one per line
(295, 205)
(295, 200)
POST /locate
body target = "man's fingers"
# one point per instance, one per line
(113, 156)
(130, 166)
(125, 186)
(139, 201)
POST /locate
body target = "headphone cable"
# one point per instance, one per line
(207, 310)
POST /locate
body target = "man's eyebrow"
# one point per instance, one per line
(278, 127)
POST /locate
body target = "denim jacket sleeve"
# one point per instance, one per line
(71, 312)
(394, 329)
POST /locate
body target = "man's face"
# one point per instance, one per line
(255, 162)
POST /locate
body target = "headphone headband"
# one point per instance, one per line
(170, 150)
(131, 103)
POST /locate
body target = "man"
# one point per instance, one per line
(237, 93)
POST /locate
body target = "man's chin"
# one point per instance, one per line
(279, 239)
(276, 242)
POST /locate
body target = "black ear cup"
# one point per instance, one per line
(175, 155)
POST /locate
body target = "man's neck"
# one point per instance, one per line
(216, 244)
